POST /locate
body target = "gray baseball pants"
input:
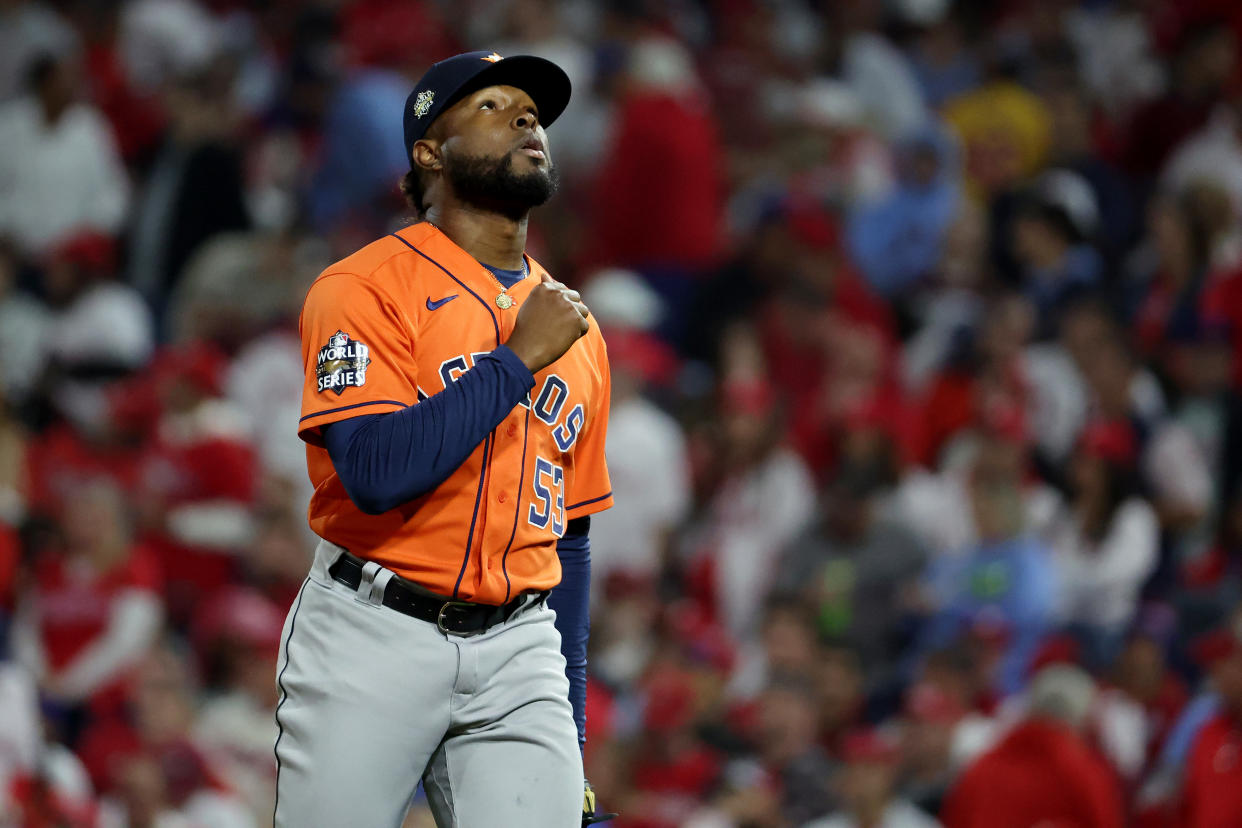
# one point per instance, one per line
(373, 700)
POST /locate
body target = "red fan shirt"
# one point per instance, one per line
(75, 603)
(1212, 797)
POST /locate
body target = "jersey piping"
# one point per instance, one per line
(348, 407)
(487, 441)
(504, 559)
(588, 502)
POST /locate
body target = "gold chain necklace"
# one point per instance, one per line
(503, 300)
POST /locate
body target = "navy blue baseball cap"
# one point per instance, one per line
(452, 79)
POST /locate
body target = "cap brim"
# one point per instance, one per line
(545, 82)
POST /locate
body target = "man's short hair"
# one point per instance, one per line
(1063, 692)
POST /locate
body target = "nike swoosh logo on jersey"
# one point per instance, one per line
(433, 305)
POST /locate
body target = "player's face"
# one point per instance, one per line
(498, 122)
(493, 148)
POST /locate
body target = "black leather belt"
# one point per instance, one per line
(459, 617)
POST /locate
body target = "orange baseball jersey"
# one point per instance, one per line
(395, 323)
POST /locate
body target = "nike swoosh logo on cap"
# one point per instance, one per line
(433, 305)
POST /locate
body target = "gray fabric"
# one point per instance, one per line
(373, 699)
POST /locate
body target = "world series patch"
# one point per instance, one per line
(342, 363)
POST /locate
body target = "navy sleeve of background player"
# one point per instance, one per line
(571, 599)
(385, 460)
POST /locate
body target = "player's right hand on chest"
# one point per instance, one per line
(549, 321)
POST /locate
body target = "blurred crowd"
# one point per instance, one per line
(925, 324)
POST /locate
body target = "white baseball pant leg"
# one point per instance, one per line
(372, 700)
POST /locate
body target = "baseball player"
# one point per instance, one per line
(454, 409)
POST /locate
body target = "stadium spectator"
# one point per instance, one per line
(1202, 67)
(95, 607)
(937, 508)
(1211, 795)
(1105, 543)
(787, 645)
(859, 572)
(60, 173)
(867, 785)
(672, 770)
(239, 634)
(950, 303)
(650, 466)
(876, 70)
(1116, 52)
(353, 188)
(197, 475)
(1143, 673)
(828, 342)
(786, 746)
(1075, 148)
(162, 40)
(1168, 273)
(154, 727)
(195, 188)
(30, 29)
(1005, 131)
(943, 67)
(1005, 582)
(833, 154)
(135, 113)
(621, 641)
(1050, 235)
(928, 767)
(275, 563)
(762, 500)
(897, 242)
(1171, 464)
(658, 194)
(1042, 769)
(99, 328)
(984, 385)
(841, 693)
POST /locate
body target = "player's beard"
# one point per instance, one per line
(493, 183)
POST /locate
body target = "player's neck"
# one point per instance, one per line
(490, 238)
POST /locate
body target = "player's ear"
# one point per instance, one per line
(426, 154)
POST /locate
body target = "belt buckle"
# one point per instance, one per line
(445, 608)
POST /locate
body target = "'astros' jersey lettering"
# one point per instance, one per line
(395, 323)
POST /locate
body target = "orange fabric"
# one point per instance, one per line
(489, 531)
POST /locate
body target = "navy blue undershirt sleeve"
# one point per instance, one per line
(571, 599)
(385, 460)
